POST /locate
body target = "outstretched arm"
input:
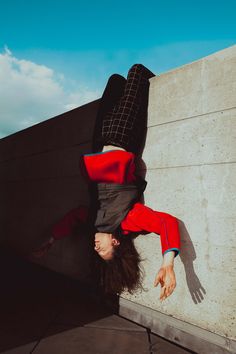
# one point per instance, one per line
(63, 228)
(141, 218)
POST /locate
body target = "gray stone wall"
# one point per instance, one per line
(190, 154)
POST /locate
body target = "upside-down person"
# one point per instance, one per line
(118, 139)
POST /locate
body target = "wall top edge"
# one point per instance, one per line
(231, 49)
(49, 120)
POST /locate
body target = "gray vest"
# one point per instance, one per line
(115, 201)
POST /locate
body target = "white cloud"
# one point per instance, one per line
(30, 93)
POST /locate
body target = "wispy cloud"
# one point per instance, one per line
(30, 93)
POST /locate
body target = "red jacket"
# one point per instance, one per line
(118, 167)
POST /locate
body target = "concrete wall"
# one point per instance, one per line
(190, 155)
(41, 181)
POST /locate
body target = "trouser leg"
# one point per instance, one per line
(124, 125)
(113, 92)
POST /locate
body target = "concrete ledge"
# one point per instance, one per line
(185, 334)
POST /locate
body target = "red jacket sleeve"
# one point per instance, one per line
(65, 226)
(141, 218)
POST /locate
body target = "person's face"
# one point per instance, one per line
(104, 245)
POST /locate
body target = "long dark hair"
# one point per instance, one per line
(123, 272)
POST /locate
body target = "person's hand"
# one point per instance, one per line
(166, 276)
(43, 249)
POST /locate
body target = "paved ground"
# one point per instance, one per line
(46, 313)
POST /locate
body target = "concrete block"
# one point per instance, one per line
(207, 139)
(201, 196)
(207, 85)
(190, 162)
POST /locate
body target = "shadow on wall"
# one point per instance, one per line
(187, 252)
(187, 256)
(41, 182)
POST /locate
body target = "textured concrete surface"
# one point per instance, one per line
(183, 333)
(40, 181)
(195, 89)
(94, 340)
(190, 155)
(47, 313)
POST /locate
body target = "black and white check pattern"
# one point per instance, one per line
(122, 125)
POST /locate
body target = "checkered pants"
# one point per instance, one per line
(123, 110)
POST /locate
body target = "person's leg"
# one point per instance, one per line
(124, 125)
(112, 93)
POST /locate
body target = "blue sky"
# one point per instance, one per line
(57, 55)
